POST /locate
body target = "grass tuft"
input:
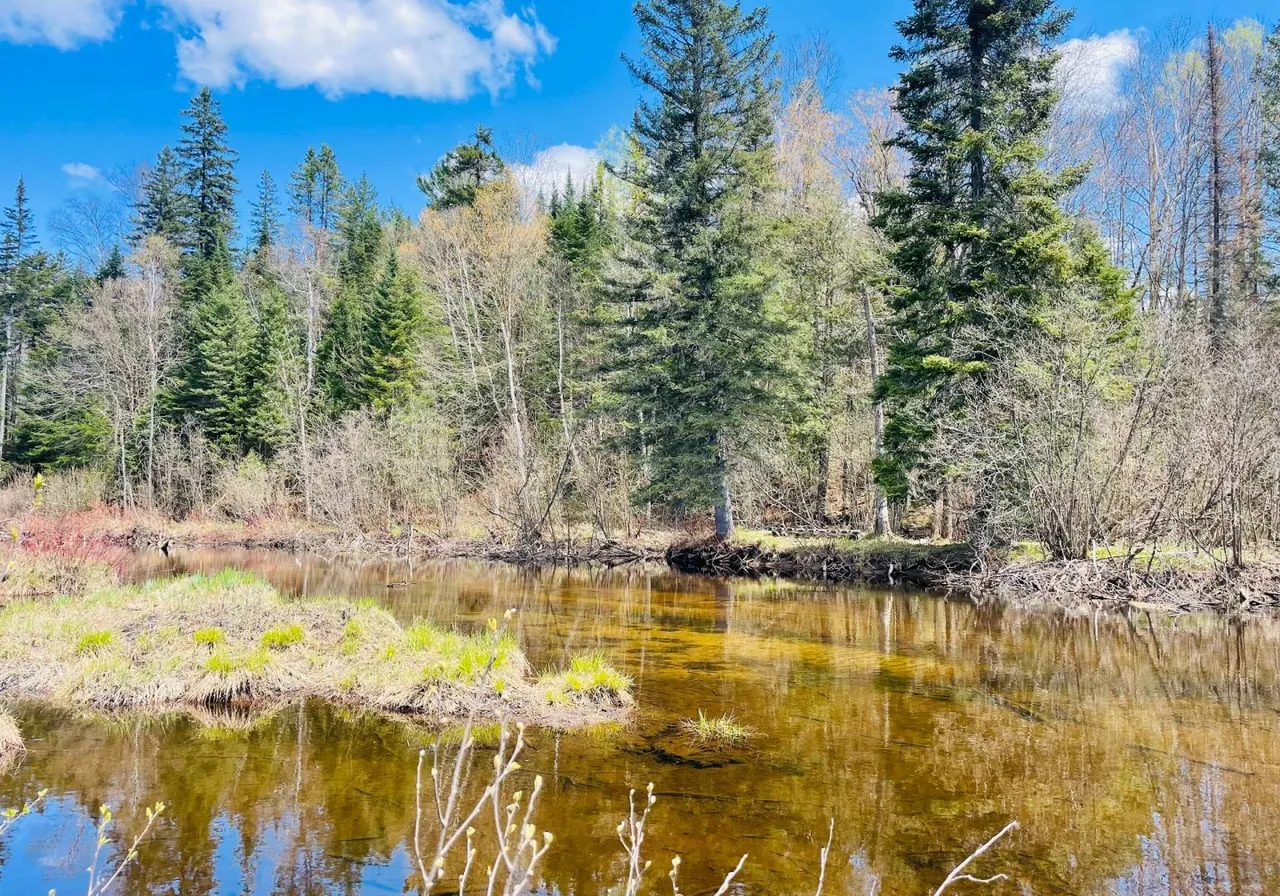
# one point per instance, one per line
(209, 637)
(721, 730)
(283, 638)
(93, 643)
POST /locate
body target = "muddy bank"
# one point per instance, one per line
(960, 569)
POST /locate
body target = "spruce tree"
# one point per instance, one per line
(980, 244)
(1269, 154)
(391, 367)
(211, 383)
(208, 175)
(162, 211)
(266, 215)
(113, 268)
(343, 347)
(316, 189)
(699, 366)
(267, 411)
(462, 172)
(17, 230)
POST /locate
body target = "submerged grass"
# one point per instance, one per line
(10, 741)
(721, 730)
(152, 647)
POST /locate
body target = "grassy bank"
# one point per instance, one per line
(230, 640)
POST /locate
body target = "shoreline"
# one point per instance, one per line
(953, 568)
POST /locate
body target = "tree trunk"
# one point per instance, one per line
(880, 520)
(724, 497)
(1217, 295)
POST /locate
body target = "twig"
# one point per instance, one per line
(958, 874)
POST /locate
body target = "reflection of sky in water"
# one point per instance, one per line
(1141, 755)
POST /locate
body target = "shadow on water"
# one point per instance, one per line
(1141, 754)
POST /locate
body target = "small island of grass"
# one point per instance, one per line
(230, 640)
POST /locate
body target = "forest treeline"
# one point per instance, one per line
(993, 302)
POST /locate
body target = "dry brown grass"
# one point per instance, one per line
(11, 747)
(230, 640)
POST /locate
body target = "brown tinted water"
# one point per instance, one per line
(1141, 754)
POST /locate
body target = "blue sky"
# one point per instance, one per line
(390, 84)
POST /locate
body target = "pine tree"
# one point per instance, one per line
(208, 175)
(162, 210)
(579, 229)
(266, 215)
(699, 366)
(211, 384)
(391, 368)
(462, 172)
(978, 238)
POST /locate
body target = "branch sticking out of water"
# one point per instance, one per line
(957, 873)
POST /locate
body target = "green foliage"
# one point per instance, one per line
(1269, 145)
(316, 188)
(208, 176)
(391, 368)
(699, 346)
(270, 358)
(211, 384)
(162, 210)
(462, 172)
(979, 241)
(266, 215)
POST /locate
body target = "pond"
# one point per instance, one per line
(1140, 753)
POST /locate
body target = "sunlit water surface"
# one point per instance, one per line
(1141, 754)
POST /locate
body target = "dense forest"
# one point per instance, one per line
(981, 304)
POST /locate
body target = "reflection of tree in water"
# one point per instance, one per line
(1140, 754)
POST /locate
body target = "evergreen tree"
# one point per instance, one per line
(343, 347)
(579, 229)
(267, 408)
(462, 172)
(391, 368)
(112, 268)
(266, 215)
(211, 383)
(208, 175)
(162, 210)
(17, 230)
(316, 188)
(302, 189)
(978, 238)
(1269, 154)
(699, 366)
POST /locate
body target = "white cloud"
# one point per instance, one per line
(1090, 70)
(64, 24)
(429, 49)
(81, 173)
(552, 167)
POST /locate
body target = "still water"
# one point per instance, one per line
(1141, 754)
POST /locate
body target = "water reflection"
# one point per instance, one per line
(1141, 754)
